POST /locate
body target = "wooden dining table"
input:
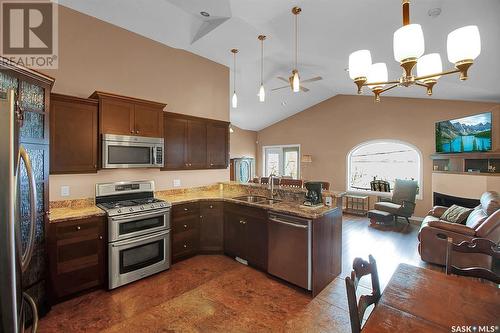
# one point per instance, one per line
(422, 300)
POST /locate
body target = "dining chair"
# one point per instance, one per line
(288, 182)
(325, 186)
(476, 245)
(265, 180)
(357, 310)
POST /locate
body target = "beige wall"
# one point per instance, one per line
(243, 143)
(94, 55)
(330, 129)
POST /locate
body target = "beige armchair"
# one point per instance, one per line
(483, 222)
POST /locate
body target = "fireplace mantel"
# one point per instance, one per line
(464, 185)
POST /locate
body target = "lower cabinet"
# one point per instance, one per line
(76, 256)
(217, 227)
(245, 234)
(185, 230)
(211, 227)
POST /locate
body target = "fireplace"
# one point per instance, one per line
(448, 200)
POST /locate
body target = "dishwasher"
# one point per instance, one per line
(289, 249)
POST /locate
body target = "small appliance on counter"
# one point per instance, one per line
(313, 195)
(138, 230)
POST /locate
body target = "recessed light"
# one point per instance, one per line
(205, 14)
(434, 12)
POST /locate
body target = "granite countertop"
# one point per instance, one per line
(82, 208)
(68, 210)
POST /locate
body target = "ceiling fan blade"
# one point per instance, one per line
(317, 78)
(280, 88)
(282, 79)
(304, 89)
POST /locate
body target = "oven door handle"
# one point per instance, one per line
(135, 240)
(132, 217)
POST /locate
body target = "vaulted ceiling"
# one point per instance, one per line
(328, 32)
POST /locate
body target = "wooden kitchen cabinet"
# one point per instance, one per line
(185, 230)
(211, 227)
(77, 256)
(217, 145)
(73, 134)
(195, 143)
(123, 115)
(245, 234)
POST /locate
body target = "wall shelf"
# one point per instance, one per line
(461, 163)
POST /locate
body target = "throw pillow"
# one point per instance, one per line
(456, 214)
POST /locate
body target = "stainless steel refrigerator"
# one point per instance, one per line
(15, 255)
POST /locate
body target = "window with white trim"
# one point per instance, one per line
(383, 160)
(281, 161)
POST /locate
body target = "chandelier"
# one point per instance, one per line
(463, 47)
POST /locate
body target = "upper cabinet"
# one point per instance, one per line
(73, 134)
(195, 143)
(129, 116)
(217, 145)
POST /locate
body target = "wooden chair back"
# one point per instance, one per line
(254, 180)
(357, 310)
(378, 185)
(265, 180)
(288, 182)
(325, 186)
(476, 245)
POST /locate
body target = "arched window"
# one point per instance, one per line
(383, 160)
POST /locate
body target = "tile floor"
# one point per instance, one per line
(216, 294)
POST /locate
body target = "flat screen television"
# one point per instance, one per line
(464, 135)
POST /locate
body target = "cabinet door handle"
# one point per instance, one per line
(132, 131)
(185, 209)
(242, 222)
(100, 237)
(211, 206)
(185, 246)
(185, 226)
(211, 164)
(78, 227)
(136, 132)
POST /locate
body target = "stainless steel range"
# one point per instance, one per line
(138, 230)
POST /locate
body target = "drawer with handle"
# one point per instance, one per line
(186, 209)
(185, 244)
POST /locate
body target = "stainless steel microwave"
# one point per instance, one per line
(123, 151)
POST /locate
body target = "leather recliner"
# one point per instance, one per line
(483, 222)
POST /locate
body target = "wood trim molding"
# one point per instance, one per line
(73, 99)
(100, 94)
(6, 64)
(185, 116)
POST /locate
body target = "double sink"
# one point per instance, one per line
(257, 199)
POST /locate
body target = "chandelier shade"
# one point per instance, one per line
(359, 63)
(408, 42)
(430, 64)
(464, 44)
(377, 73)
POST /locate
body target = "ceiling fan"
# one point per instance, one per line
(290, 82)
(294, 81)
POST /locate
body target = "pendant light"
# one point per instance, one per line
(295, 72)
(262, 92)
(234, 99)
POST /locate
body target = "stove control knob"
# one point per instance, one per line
(152, 206)
(119, 211)
(142, 207)
(162, 204)
(131, 209)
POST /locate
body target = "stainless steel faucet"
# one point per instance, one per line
(271, 184)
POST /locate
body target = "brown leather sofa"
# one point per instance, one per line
(484, 222)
